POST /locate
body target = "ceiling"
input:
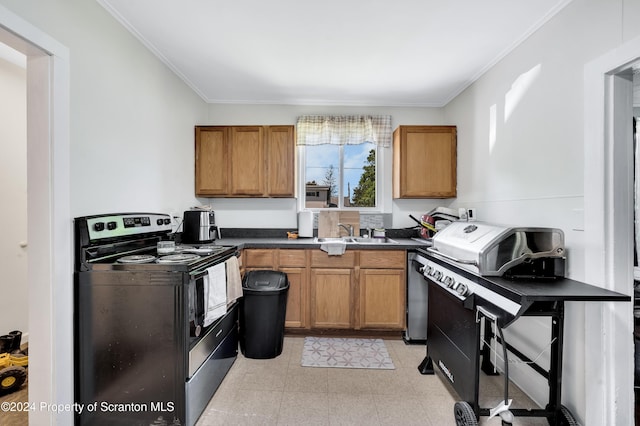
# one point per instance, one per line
(331, 52)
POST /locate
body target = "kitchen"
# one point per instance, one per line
(497, 186)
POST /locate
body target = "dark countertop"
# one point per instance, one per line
(310, 243)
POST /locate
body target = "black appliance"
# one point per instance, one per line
(199, 227)
(142, 352)
(482, 277)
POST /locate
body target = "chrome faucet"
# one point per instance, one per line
(349, 229)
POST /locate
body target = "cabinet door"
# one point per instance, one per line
(246, 160)
(387, 259)
(331, 298)
(382, 298)
(260, 258)
(296, 297)
(292, 257)
(280, 161)
(424, 162)
(211, 161)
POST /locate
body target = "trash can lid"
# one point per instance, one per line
(265, 280)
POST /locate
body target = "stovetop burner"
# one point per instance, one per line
(202, 250)
(137, 258)
(178, 258)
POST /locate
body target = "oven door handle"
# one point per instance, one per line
(446, 256)
(199, 273)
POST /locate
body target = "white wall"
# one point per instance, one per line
(281, 213)
(131, 117)
(131, 148)
(521, 153)
(14, 312)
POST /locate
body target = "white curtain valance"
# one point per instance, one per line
(344, 129)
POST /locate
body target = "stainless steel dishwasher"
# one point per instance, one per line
(416, 302)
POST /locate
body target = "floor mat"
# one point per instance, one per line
(346, 353)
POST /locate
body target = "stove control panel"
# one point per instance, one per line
(118, 225)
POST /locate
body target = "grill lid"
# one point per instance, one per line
(490, 249)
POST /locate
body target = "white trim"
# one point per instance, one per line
(608, 346)
(50, 268)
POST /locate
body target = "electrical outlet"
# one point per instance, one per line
(471, 214)
(175, 221)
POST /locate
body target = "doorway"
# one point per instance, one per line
(49, 264)
(13, 187)
(609, 212)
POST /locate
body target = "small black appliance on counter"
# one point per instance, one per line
(199, 227)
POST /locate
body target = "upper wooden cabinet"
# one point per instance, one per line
(424, 162)
(280, 155)
(244, 161)
(211, 161)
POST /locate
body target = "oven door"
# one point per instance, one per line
(204, 340)
(197, 291)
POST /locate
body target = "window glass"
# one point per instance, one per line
(360, 175)
(340, 176)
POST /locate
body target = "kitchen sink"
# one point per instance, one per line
(362, 240)
(333, 240)
(355, 240)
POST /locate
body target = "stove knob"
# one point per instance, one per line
(98, 226)
(167, 221)
(437, 275)
(450, 282)
(426, 270)
(111, 226)
(159, 222)
(462, 289)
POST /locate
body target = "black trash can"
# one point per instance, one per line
(262, 314)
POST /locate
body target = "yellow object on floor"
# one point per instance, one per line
(7, 360)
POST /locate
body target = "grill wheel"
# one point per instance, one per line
(566, 418)
(464, 414)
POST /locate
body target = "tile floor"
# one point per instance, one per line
(281, 392)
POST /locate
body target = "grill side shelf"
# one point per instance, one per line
(529, 291)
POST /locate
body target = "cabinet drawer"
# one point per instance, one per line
(395, 259)
(254, 258)
(321, 259)
(292, 258)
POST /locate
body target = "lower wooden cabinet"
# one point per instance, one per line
(362, 289)
(332, 298)
(296, 305)
(382, 298)
(293, 263)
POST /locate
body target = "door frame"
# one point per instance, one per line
(608, 219)
(49, 227)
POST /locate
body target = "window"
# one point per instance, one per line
(340, 175)
(339, 159)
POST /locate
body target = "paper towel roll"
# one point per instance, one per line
(305, 224)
